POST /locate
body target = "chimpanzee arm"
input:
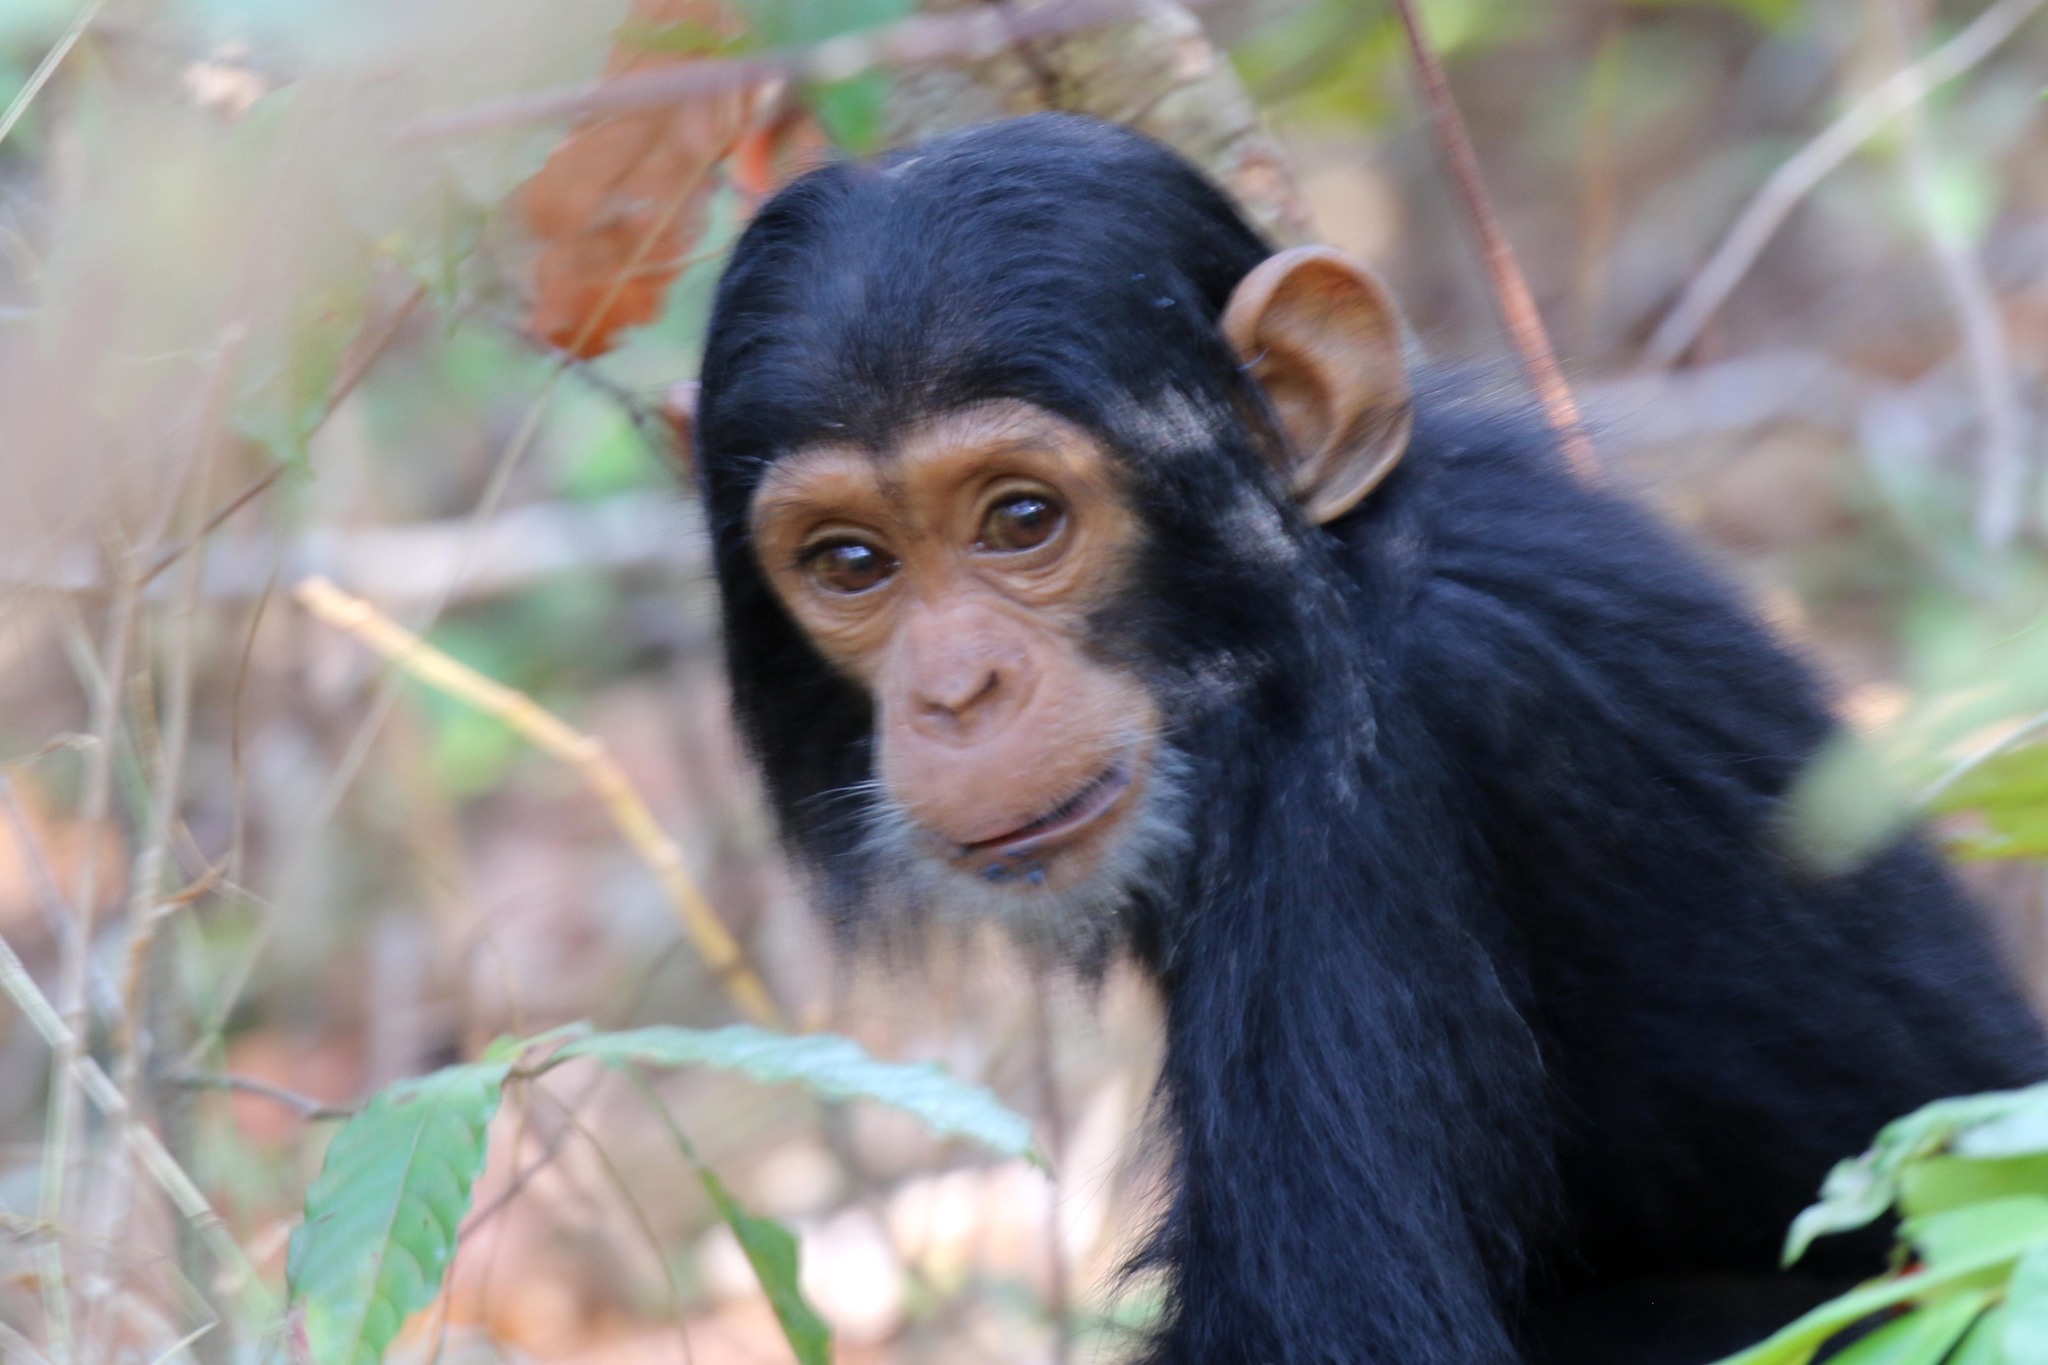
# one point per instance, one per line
(1360, 1143)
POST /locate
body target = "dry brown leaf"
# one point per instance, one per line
(619, 202)
(777, 150)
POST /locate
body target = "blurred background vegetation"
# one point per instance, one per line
(355, 290)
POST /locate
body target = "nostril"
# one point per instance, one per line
(989, 683)
(955, 702)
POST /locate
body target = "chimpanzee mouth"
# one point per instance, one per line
(1070, 817)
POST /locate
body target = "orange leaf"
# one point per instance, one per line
(775, 150)
(618, 203)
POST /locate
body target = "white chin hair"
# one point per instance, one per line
(1077, 921)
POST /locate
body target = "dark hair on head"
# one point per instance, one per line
(1054, 259)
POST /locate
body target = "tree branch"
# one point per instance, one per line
(1511, 294)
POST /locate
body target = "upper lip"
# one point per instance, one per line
(1070, 816)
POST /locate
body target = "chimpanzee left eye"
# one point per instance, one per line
(1022, 522)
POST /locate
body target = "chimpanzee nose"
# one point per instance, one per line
(966, 678)
(951, 698)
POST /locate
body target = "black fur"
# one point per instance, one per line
(1499, 1028)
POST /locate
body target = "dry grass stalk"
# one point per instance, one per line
(93, 1080)
(585, 753)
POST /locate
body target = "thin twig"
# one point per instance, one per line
(409, 563)
(963, 35)
(361, 358)
(91, 1078)
(162, 748)
(184, 1343)
(585, 753)
(630, 1198)
(2001, 459)
(74, 970)
(15, 1342)
(1511, 294)
(145, 903)
(1797, 177)
(2005, 743)
(305, 1106)
(48, 67)
(251, 491)
(57, 911)
(515, 1186)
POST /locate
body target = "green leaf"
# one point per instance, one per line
(1794, 1343)
(2006, 798)
(382, 1215)
(831, 1067)
(680, 37)
(851, 111)
(2026, 1311)
(1974, 1230)
(2014, 780)
(772, 1250)
(1858, 1190)
(1994, 835)
(2018, 1127)
(1854, 1194)
(1939, 1183)
(511, 1051)
(800, 23)
(1986, 1342)
(1964, 199)
(1924, 1336)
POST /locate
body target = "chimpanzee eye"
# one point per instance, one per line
(1022, 522)
(848, 566)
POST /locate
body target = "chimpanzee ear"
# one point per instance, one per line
(1323, 338)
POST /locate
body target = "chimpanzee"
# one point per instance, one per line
(1090, 566)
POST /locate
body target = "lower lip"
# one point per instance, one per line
(1099, 803)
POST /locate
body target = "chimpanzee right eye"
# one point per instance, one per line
(847, 567)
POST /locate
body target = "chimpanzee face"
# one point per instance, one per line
(956, 576)
(959, 574)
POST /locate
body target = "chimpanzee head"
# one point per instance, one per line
(1015, 448)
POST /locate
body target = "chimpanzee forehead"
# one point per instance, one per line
(1060, 262)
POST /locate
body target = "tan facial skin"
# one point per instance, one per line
(955, 575)
(954, 578)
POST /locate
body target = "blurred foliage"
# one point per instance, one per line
(1965, 746)
(1968, 1180)
(850, 111)
(2007, 793)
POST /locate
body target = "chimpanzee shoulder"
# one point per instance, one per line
(1720, 1019)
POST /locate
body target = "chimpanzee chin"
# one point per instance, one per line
(1090, 566)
